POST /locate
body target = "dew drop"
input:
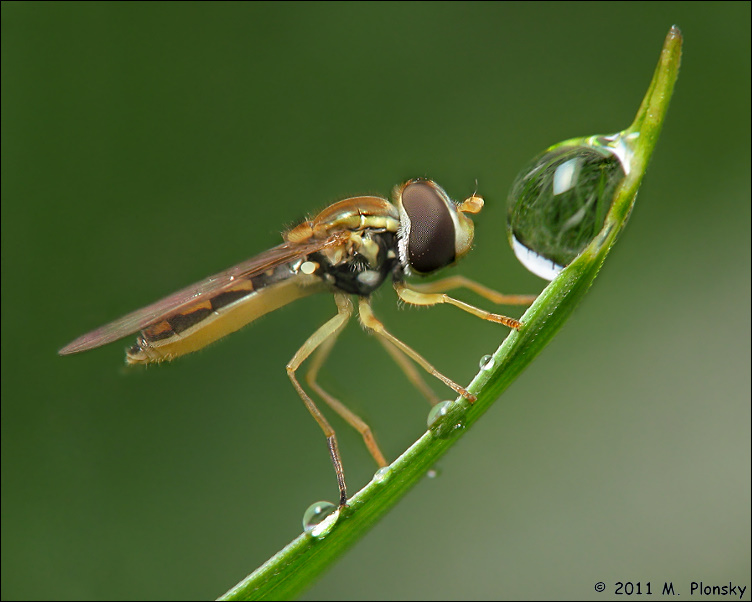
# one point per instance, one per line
(487, 362)
(433, 473)
(382, 474)
(438, 411)
(314, 517)
(559, 202)
(445, 418)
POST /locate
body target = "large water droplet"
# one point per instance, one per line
(315, 515)
(559, 202)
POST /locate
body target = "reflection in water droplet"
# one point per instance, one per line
(315, 515)
(438, 411)
(559, 202)
(486, 362)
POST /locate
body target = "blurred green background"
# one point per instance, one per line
(147, 145)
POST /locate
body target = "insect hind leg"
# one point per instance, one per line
(318, 359)
(328, 331)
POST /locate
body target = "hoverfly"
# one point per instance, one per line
(349, 249)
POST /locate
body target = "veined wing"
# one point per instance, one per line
(198, 293)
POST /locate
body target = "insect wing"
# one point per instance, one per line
(197, 293)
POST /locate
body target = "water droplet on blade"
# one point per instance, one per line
(382, 474)
(486, 362)
(315, 515)
(559, 202)
(438, 411)
(446, 418)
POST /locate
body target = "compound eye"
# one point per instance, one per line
(430, 228)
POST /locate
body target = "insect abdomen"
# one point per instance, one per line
(213, 319)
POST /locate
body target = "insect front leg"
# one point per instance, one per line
(416, 297)
(458, 281)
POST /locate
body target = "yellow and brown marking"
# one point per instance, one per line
(356, 213)
(211, 319)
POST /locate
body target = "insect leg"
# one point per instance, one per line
(415, 297)
(330, 329)
(446, 284)
(410, 371)
(372, 323)
(350, 417)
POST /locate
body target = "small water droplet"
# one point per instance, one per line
(445, 418)
(438, 411)
(559, 202)
(433, 473)
(487, 362)
(382, 474)
(314, 517)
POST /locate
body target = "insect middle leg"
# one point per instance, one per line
(372, 323)
(329, 330)
(412, 374)
(355, 421)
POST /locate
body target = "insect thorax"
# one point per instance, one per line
(369, 257)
